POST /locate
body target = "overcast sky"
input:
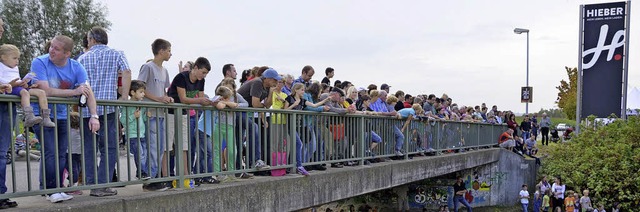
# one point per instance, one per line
(466, 49)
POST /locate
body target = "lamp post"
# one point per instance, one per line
(520, 31)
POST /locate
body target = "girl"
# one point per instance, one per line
(10, 74)
(511, 123)
(297, 102)
(558, 189)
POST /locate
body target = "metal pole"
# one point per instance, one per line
(625, 74)
(579, 90)
(526, 111)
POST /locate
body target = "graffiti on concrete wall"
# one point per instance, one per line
(426, 196)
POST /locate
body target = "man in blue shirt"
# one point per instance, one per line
(305, 77)
(380, 106)
(60, 76)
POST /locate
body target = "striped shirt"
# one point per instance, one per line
(103, 65)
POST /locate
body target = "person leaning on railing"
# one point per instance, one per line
(59, 76)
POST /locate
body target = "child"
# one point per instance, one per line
(134, 119)
(577, 206)
(600, 208)
(545, 201)
(297, 102)
(9, 55)
(537, 200)
(524, 198)
(585, 201)
(569, 201)
(76, 151)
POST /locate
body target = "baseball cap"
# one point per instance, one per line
(271, 73)
(384, 86)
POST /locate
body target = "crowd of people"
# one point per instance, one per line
(557, 198)
(103, 73)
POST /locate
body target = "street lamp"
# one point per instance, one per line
(520, 31)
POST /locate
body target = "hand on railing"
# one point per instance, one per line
(5, 88)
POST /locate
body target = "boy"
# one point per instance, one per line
(329, 72)
(184, 89)
(524, 197)
(157, 79)
(133, 119)
(569, 201)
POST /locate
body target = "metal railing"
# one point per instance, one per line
(284, 140)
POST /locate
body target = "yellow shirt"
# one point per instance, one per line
(278, 104)
(545, 201)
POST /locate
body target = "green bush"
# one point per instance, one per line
(604, 160)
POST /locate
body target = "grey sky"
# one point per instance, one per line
(466, 49)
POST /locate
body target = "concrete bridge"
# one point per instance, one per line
(293, 192)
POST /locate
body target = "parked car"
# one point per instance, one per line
(561, 127)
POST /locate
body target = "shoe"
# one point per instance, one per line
(350, 163)
(29, 118)
(336, 165)
(309, 168)
(55, 198)
(103, 192)
(65, 196)
(366, 162)
(399, 153)
(161, 186)
(7, 203)
(244, 176)
(209, 180)
(320, 168)
(302, 171)
(144, 176)
(261, 165)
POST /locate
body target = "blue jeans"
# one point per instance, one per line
(311, 146)
(155, 144)
(139, 154)
(193, 145)
(253, 139)
(5, 141)
(205, 154)
(399, 138)
(460, 199)
(298, 151)
(48, 141)
(525, 135)
(107, 144)
(525, 206)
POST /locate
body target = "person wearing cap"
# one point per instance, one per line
(305, 77)
(255, 91)
(336, 97)
(385, 87)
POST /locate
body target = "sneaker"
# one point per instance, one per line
(302, 171)
(336, 165)
(144, 176)
(103, 192)
(261, 165)
(7, 203)
(245, 176)
(209, 180)
(319, 167)
(55, 198)
(399, 153)
(65, 196)
(161, 186)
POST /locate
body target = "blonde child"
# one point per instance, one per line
(9, 55)
(545, 200)
(279, 129)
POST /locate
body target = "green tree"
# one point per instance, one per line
(567, 93)
(605, 160)
(29, 24)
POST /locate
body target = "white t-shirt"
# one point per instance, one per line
(558, 189)
(7, 74)
(524, 193)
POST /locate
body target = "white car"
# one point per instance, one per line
(561, 127)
